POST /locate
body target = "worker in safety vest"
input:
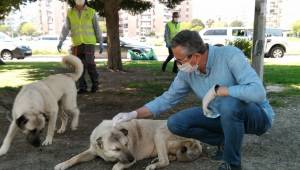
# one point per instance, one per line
(171, 29)
(82, 21)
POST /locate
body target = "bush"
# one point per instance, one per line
(244, 45)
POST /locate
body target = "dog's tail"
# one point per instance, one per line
(75, 64)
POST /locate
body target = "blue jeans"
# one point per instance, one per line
(237, 118)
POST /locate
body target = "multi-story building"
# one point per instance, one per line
(52, 15)
(153, 20)
(48, 16)
(274, 13)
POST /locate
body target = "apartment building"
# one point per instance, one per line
(274, 13)
(153, 20)
(52, 15)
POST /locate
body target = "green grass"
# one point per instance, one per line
(16, 74)
(293, 39)
(49, 52)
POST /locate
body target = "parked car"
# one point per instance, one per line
(49, 43)
(134, 50)
(276, 42)
(10, 49)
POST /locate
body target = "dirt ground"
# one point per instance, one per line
(278, 149)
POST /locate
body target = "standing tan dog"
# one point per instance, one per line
(136, 140)
(41, 101)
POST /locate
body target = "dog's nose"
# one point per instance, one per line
(130, 158)
(34, 140)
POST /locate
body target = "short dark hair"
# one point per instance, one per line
(175, 14)
(190, 41)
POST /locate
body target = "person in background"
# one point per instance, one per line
(171, 29)
(233, 97)
(82, 21)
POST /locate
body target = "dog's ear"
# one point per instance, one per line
(21, 121)
(100, 142)
(124, 131)
(183, 149)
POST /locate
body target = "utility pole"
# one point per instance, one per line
(259, 37)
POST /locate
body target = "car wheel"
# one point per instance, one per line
(277, 52)
(6, 55)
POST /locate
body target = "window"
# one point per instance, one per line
(239, 32)
(209, 32)
(216, 32)
(220, 32)
(274, 32)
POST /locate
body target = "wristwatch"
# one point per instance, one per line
(216, 89)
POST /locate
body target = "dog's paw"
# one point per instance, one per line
(154, 160)
(3, 151)
(61, 130)
(74, 128)
(116, 167)
(151, 167)
(48, 141)
(61, 166)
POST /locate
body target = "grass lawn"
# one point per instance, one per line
(14, 75)
(293, 39)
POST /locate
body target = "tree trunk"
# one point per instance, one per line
(111, 9)
(259, 37)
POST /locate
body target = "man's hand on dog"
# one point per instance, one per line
(124, 117)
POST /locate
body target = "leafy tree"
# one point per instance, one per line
(185, 26)
(109, 9)
(102, 25)
(237, 23)
(197, 22)
(195, 25)
(7, 6)
(219, 23)
(296, 27)
(5, 28)
(197, 28)
(27, 28)
(210, 22)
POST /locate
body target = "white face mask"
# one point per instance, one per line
(187, 67)
(79, 2)
(176, 19)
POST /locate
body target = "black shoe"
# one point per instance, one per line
(82, 91)
(94, 89)
(219, 154)
(227, 166)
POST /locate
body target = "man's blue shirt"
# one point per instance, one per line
(226, 66)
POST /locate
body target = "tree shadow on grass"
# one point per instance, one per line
(32, 71)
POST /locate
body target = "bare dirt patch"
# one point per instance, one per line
(277, 149)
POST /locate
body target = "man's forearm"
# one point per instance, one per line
(65, 31)
(143, 112)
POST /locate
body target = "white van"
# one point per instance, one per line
(276, 42)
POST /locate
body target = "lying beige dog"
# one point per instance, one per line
(138, 139)
(41, 101)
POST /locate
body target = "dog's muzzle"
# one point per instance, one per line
(34, 138)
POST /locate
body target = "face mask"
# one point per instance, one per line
(187, 67)
(176, 19)
(79, 2)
